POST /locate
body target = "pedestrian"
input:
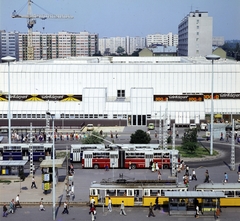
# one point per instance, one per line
(153, 167)
(197, 212)
(225, 177)
(65, 208)
(157, 206)
(17, 202)
(206, 177)
(221, 136)
(159, 175)
(41, 207)
(5, 210)
(109, 204)
(157, 167)
(227, 136)
(194, 177)
(187, 170)
(122, 210)
(116, 134)
(155, 134)
(93, 213)
(129, 165)
(11, 206)
(150, 211)
(33, 183)
(177, 135)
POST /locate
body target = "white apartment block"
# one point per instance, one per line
(9, 44)
(169, 39)
(60, 45)
(195, 34)
(218, 41)
(129, 44)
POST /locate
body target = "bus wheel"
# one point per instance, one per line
(165, 166)
(95, 166)
(40, 159)
(133, 166)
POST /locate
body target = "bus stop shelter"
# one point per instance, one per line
(185, 202)
(12, 167)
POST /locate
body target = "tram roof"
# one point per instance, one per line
(49, 163)
(194, 194)
(13, 163)
(220, 186)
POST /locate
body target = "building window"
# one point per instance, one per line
(120, 93)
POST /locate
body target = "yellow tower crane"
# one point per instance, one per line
(31, 21)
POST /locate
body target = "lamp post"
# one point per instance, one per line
(212, 57)
(53, 167)
(9, 59)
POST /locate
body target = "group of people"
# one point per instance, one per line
(13, 205)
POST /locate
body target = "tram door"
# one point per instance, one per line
(138, 197)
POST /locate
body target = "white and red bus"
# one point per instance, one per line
(122, 158)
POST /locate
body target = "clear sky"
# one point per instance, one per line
(111, 18)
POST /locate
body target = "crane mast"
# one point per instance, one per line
(31, 21)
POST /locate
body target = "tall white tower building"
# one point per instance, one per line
(195, 34)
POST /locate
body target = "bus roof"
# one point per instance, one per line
(217, 186)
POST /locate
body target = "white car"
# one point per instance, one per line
(90, 127)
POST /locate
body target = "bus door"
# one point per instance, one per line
(148, 158)
(88, 160)
(76, 155)
(121, 159)
(114, 160)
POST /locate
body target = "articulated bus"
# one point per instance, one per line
(230, 190)
(76, 151)
(134, 146)
(22, 151)
(135, 193)
(123, 158)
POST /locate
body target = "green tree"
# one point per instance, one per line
(94, 138)
(120, 50)
(140, 137)
(189, 140)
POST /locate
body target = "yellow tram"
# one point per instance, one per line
(133, 193)
(231, 192)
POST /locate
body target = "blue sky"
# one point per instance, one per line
(111, 18)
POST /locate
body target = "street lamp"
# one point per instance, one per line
(9, 59)
(53, 166)
(212, 57)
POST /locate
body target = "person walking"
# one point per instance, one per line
(159, 175)
(11, 206)
(122, 210)
(17, 202)
(33, 183)
(197, 212)
(129, 165)
(206, 177)
(221, 137)
(41, 207)
(65, 208)
(5, 210)
(150, 213)
(225, 177)
(93, 213)
(157, 167)
(109, 204)
(194, 177)
(157, 206)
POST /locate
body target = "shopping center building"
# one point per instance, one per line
(120, 90)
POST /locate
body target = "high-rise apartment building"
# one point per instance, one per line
(195, 34)
(129, 44)
(9, 44)
(169, 39)
(60, 45)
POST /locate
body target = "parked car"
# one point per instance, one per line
(90, 127)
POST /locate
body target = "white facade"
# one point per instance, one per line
(218, 41)
(195, 35)
(169, 39)
(130, 88)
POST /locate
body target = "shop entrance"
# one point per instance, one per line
(137, 120)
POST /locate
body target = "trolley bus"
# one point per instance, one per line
(230, 190)
(134, 146)
(76, 151)
(134, 193)
(22, 151)
(123, 158)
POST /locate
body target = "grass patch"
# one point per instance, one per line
(200, 152)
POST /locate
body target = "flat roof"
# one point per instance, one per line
(194, 194)
(13, 162)
(48, 163)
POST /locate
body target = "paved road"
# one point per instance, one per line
(133, 214)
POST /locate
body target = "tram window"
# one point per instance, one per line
(162, 193)
(130, 193)
(146, 192)
(153, 192)
(237, 193)
(229, 193)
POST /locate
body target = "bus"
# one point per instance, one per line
(121, 158)
(133, 193)
(22, 151)
(230, 190)
(76, 150)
